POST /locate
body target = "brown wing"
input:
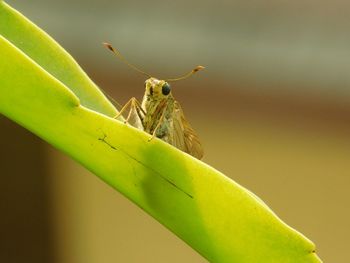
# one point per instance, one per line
(183, 136)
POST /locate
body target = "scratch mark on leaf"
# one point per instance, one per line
(103, 139)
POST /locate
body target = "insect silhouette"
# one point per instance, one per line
(159, 114)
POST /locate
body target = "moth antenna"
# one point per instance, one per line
(196, 69)
(118, 55)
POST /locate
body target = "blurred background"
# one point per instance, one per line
(272, 110)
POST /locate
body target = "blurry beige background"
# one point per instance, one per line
(272, 110)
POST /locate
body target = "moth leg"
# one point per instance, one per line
(126, 105)
(132, 104)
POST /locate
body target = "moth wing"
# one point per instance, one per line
(184, 137)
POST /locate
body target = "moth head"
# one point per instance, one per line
(156, 88)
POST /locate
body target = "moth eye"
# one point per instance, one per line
(166, 89)
(151, 91)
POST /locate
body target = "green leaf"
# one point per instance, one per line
(40, 47)
(44, 90)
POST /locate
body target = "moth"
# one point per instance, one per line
(159, 114)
